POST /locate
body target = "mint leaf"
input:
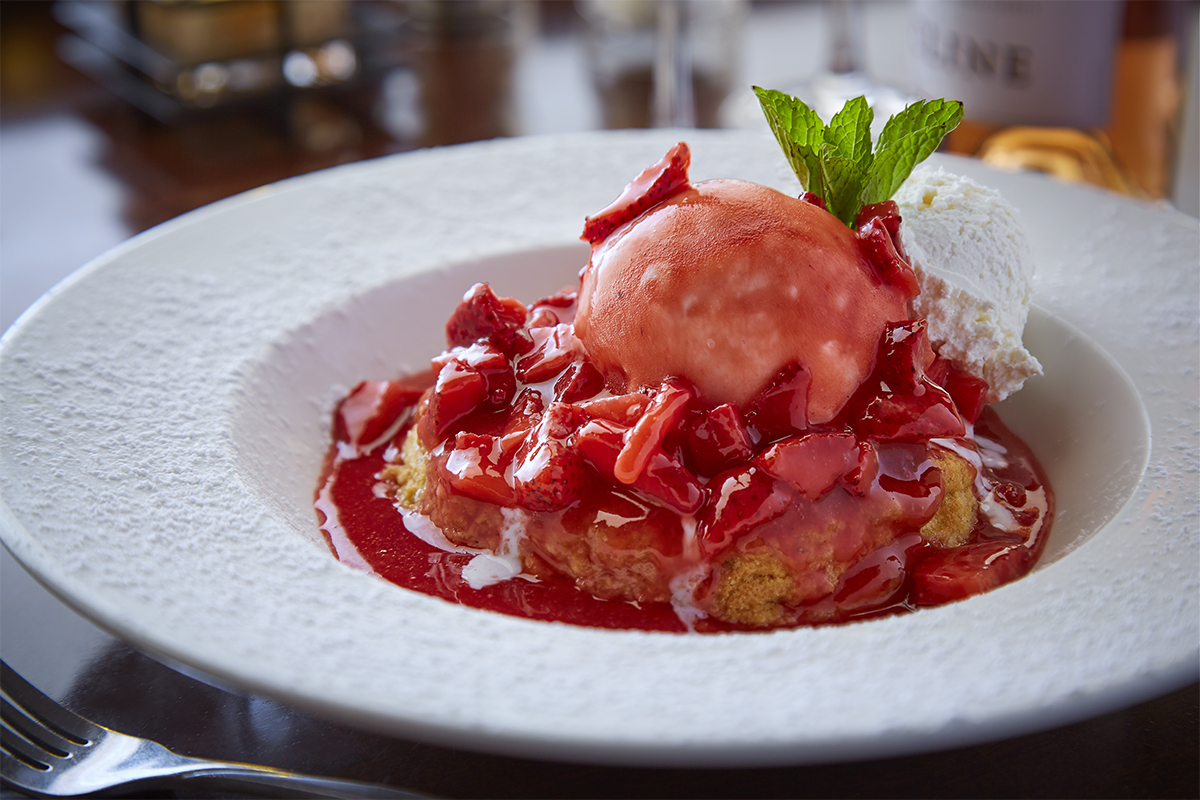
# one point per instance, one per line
(906, 140)
(846, 158)
(835, 161)
(844, 179)
(799, 132)
(849, 131)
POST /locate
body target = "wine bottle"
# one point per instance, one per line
(1084, 90)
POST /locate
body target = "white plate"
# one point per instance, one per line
(163, 422)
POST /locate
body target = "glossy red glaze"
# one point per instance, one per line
(558, 461)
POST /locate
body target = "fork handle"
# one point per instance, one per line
(237, 776)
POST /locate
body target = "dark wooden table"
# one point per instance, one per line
(83, 169)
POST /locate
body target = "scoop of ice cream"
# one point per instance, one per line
(724, 285)
(975, 269)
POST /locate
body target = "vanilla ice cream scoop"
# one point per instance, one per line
(975, 269)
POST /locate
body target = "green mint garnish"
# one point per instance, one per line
(835, 161)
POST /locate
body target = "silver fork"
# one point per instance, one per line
(48, 750)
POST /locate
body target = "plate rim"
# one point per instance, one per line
(628, 751)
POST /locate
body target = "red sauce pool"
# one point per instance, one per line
(373, 526)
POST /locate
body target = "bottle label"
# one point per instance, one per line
(1019, 62)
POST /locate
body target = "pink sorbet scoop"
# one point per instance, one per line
(725, 283)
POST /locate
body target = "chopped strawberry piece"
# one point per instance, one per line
(959, 572)
(968, 391)
(910, 418)
(740, 500)
(459, 391)
(876, 581)
(812, 463)
(860, 477)
(905, 354)
(880, 249)
(668, 481)
(1011, 494)
(782, 408)
(812, 198)
(664, 479)
(525, 412)
(475, 467)
(580, 381)
(717, 439)
(655, 184)
(646, 436)
(486, 359)
(888, 215)
(600, 441)
(563, 298)
(624, 409)
(372, 409)
(554, 348)
(899, 402)
(483, 315)
(548, 474)
(543, 318)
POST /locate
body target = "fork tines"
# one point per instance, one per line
(37, 732)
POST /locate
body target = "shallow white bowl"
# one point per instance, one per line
(163, 416)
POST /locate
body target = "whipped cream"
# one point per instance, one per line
(975, 268)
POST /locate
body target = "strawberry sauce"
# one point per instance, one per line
(523, 425)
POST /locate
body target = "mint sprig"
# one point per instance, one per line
(836, 161)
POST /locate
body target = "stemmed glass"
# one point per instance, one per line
(844, 76)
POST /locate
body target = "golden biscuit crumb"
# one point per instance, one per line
(954, 520)
(753, 589)
(409, 475)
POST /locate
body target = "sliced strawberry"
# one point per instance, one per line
(899, 402)
(548, 474)
(878, 232)
(553, 349)
(490, 362)
(812, 198)
(910, 418)
(525, 412)
(910, 477)
(739, 500)
(373, 408)
(781, 409)
(861, 476)
(665, 410)
(717, 439)
(459, 391)
(580, 381)
(887, 214)
(666, 480)
(655, 184)
(562, 299)
(880, 249)
(599, 442)
(624, 409)
(543, 317)
(958, 572)
(968, 391)
(876, 581)
(475, 467)
(560, 306)
(812, 463)
(483, 315)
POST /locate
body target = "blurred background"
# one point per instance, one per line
(118, 115)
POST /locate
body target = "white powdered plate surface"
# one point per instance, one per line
(164, 413)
